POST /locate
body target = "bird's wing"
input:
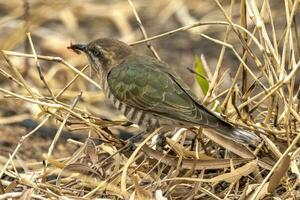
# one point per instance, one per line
(142, 82)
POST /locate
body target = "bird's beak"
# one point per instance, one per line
(78, 47)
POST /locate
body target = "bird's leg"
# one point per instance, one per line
(204, 146)
(136, 137)
(129, 143)
(160, 140)
(163, 133)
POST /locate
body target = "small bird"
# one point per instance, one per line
(149, 93)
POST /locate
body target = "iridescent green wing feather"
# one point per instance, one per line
(142, 82)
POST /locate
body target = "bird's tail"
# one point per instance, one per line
(239, 135)
(246, 137)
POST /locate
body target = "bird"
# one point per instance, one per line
(149, 92)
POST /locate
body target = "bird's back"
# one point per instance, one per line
(151, 86)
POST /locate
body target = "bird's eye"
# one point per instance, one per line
(95, 52)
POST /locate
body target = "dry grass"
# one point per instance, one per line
(72, 151)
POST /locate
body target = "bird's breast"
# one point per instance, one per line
(144, 119)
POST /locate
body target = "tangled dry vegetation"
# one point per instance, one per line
(57, 143)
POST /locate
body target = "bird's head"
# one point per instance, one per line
(103, 54)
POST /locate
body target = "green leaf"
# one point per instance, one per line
(200, 75)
